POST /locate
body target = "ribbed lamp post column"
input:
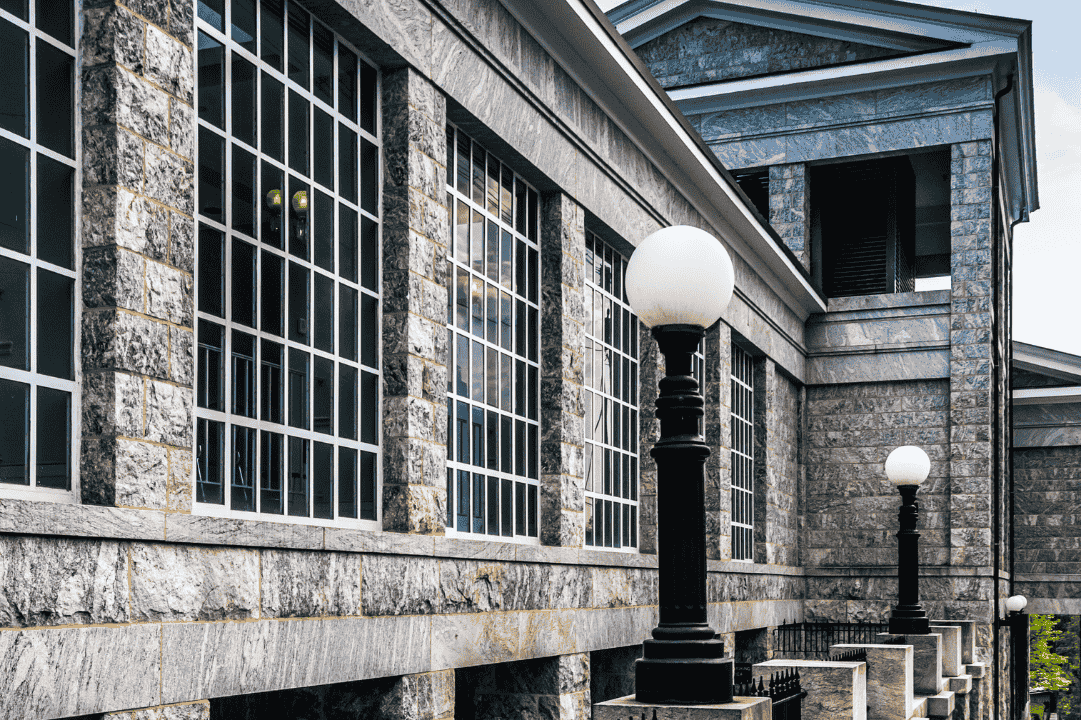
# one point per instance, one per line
(679, 282)
(907, 467)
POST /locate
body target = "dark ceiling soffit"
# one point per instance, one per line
(660, 92)
(877, 37)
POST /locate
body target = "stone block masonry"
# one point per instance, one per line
(776, 466)
(415, 237)
(138, 132)
(789, 208)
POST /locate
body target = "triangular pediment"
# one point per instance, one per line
(709, 49)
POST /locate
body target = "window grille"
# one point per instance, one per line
(742, 416)
(493, 337)
(610, 400)
(287, 276)
(38, 162)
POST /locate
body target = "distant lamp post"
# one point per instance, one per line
(907, 467)
(1017, 621)
(679, 282)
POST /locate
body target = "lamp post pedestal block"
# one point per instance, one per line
(740, 708)
(683, 671)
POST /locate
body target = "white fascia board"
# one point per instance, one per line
(569, 31)
(1046, 396)
(824, 82)
(1046, 361)
(888, 18)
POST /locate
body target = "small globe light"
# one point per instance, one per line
(907, 465)
(1016, 603)
(680, 276)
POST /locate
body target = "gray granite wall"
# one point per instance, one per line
(650, 373)
(900, 118)
(789, 208)
(611, 673)
(717, 394)
(415, 239)
(562, 371)
(137, 202)
(711, 50)
(776, 466)
(554, 687)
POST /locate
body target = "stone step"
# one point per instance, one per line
(935, 706)
(962, 684)
(919, 707)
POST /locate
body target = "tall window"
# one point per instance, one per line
(288, 267)
(37, 249)
(610, 400)
(493, 334)
(742, 418)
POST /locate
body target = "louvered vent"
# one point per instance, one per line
(859, 268)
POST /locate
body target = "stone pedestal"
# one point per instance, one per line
(627, 708)
(889, 680)
(926, 661)
(951, 649)
(835, 690)
(968, 637)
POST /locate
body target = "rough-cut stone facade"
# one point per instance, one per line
(138, 130)
(712, 50)
(789, 209)
(717, 430)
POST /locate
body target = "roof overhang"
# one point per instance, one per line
(586, 45)
(940, 44)
(1045, 361)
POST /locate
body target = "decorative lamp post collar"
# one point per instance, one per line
(907, 467)
(679, 281)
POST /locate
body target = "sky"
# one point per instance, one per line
(1047, 249)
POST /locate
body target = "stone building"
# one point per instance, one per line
(320, 394)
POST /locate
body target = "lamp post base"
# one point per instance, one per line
(909, 622)
(688, 672)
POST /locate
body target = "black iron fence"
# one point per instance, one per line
(783, 690)
(853, 655)
(812, 640)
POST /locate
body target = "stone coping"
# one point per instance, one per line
(1044, 577)
(891, 571)
(29, 517)
(887, 301)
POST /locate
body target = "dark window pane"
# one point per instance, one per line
(324, 149)
(55, 323)
(369, 401)
(18, 8)
(54, 17)
(478, 174)
(210, 367)
(347, 323)
(244, 103)
(519, 509)
(323, 231)
(272, 293)
(243, 283)
(243, 191)
(298, 388)
(298, 46)
(272, 383)
(461, 367)
(347, 83)
(367, 486)
(505, 444)
(493, 506)
(55, 206)
(273, 120)
(298, 132)
(369, 177)
(478, 503)
(323, 481)
(323, 66)
(462, 494)
(209, 446)
(211, 80)
(477, 433)
(298, 218)
(324, 312)
(14, 432)
(243, 20)
(242, 493)
(506, 198)
(14, 196)
(347, 163)
(273, 27)
(212, 12)
(270, 472)
(463, 168)
(347, 243)
(369, 331)
(243, 372)
(450, 497)
(347, 482)
(493, 185)
(323, 396)
(211, 175)
(298, 477)
(369, 254)
(14, 315)
(347, 402)
(369, 98)
(15, 80)
(532, 511)
(506, 500)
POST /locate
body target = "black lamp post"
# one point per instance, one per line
(907, 467)
(1017, 622)
(679, 281)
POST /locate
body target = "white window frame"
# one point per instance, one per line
(531, 242)
(258, 425)
(31, 377)
(742, 451)
(607, 291)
